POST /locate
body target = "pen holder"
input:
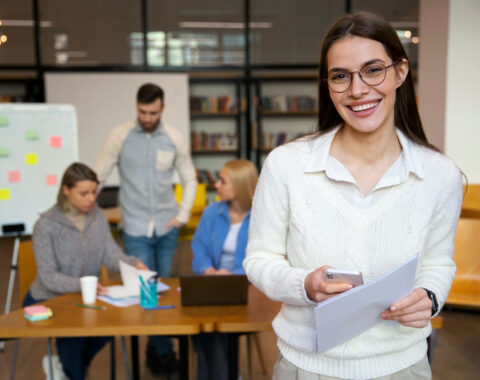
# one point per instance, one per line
(148, 295)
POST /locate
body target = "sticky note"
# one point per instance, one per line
(51, 179)
(4, 194)
(3, 121)
(56, 141)
(4, 151)
(32, 134)
(13, 176)
(31, 159)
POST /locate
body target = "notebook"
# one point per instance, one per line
(214, 290)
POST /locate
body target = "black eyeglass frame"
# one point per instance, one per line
(350, 73)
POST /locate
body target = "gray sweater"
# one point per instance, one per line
(64, 254)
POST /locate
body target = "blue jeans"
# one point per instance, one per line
(75, 353)
(156, 253)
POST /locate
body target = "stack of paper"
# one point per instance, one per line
(347, 315)
(37, 312)
(129, 293)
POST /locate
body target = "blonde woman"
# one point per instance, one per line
(218, 248)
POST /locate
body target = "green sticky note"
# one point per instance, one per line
(32, 134)
(4, 194)
(4, 152)
(3, 121)
(31, 159)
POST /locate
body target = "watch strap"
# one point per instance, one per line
(433, 298)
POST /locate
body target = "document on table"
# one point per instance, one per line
(343, 317)
(131, 283)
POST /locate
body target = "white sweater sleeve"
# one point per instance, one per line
(186, 171)
(266, 263)
(438, 268)
(109, 155)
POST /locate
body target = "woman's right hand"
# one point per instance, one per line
(318, 289)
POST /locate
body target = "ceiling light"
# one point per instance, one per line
(3, 38)
(224, 25)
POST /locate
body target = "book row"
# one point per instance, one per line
(214, 141)
(224, 103)
(288, 103)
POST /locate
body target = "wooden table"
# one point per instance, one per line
(69, 320)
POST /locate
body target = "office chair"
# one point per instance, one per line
(27, 270)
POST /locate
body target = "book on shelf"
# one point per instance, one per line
(214, 141)
(288, 103)
(206, 176)
(213, 104)
(272, 140)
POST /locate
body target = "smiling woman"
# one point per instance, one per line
(366, 192)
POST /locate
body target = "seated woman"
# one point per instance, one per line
(218, 248)
(70, 240)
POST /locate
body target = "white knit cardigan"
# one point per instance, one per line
(300, 222)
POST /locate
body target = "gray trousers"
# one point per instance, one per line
(284, 370)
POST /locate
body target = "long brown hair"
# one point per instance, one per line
(371, 26)
(76, 172)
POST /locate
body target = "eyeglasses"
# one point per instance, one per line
(372, 75)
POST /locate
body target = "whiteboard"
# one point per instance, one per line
(105, 100)
(37, 143)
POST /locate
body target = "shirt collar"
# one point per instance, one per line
(320, 152)
(223, 210)
(138, 128)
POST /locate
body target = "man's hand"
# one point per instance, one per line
(414, 310)
(173, 223)
(319, 290)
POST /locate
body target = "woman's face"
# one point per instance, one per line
(363, 107)
(81, 196)
(225, 190)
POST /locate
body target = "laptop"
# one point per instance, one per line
(214, 290)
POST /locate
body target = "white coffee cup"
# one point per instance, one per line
(88, 284)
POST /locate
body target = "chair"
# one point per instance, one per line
(27, 269)
(465, 291)
(200, 202)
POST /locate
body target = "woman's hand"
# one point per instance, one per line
(210, 271)
(414, 310)
(141, 266)
(223, 271)
(101, 290)
(319, 290)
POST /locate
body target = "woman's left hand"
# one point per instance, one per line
(101, 290)
(414, 310)
(141, 266)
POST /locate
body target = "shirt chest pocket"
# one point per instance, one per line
(164, 160)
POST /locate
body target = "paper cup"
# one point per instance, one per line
(88, 284)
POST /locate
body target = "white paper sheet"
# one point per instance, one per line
(131, 283)
(351, 313)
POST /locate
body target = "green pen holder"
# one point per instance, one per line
(148, 295)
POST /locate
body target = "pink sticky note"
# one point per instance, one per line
(56, 141)
(13, 176)
(51, 179)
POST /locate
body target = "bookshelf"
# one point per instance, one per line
(216, 114)
(286, 108)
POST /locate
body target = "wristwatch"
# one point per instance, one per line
(433, 298)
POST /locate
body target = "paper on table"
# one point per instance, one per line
(120, 302)
(131, 283)
(351, 313)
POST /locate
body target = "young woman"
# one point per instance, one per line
(366, 192)
(218, 248)
(71, 240)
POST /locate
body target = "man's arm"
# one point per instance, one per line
(184, 165)
(110, 152)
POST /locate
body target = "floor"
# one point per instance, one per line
(456, 355)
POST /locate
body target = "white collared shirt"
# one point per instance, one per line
(346, 184)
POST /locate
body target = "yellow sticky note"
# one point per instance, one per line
(31, 159)
(4, 194)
